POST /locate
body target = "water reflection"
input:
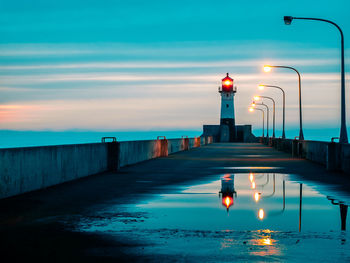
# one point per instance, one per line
(264, 219)
(343, 211)
(261, 214)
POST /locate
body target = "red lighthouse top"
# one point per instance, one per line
(227, 84)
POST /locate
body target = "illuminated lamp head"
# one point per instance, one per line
(261, 87)
(256, 98)
(267, 68)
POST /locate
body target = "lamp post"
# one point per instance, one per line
(273, 111)
(343, 132)
(261, 87)
(263, 118)
(267, 68)
(267, 118)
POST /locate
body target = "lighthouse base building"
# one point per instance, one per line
(228, 131)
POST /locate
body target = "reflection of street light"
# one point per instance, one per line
(301, 134)
(251, 177)
(261, 87)
(257, 196)
(261, 214)
(343, 132)
(274, 111)
(253, 185)
(263, 117)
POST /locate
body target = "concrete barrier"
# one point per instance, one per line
(335, 156)
(32, 168)
(197, 142)
(131, 152)
(345, 157)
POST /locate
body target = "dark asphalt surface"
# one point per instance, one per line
(29, 228)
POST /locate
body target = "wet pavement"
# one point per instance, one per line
(218, 203)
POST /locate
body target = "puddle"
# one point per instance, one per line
(250, 168)
(246, 215)
(253, 155)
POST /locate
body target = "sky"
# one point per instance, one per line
(156, 65)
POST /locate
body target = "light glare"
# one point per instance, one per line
(267, 68)
(261, 214)
(257, 197)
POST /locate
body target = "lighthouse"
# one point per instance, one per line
(227, 118)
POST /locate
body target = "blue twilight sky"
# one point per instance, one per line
(129, 65)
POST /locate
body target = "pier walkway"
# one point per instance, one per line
(124, 216)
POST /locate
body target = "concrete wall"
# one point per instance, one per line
(31, 168)
(335, 156)
(219, 133)
(26, 169)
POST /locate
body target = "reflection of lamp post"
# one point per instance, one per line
(263, 118)
(343, 132)
(273, 111)
(261, 87)
(267, 68)
(343, 211)
(300, 204)
(284, 200)
(267, 118)
(273, 187)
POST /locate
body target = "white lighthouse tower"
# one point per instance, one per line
(227, 118)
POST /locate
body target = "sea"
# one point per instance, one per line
(13, 138)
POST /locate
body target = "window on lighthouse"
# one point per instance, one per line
(226, 105)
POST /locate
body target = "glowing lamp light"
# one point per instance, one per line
(251, 177)
(261, 214)
(257, 197)
(227, 201)
(253, 185)
(256, 98)
(267, 241)
(261, 87)
(251, 109)
(253, 104)
(267, 68)
(228, 83)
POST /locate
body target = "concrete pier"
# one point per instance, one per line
(32, 168)
(40, 225)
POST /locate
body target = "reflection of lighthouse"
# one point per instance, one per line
(228, 191)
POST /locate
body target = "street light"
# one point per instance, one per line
(267, 68)
(263, 118)
(273, 113)
(261, 87)
(267, 118)
(343, 132)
